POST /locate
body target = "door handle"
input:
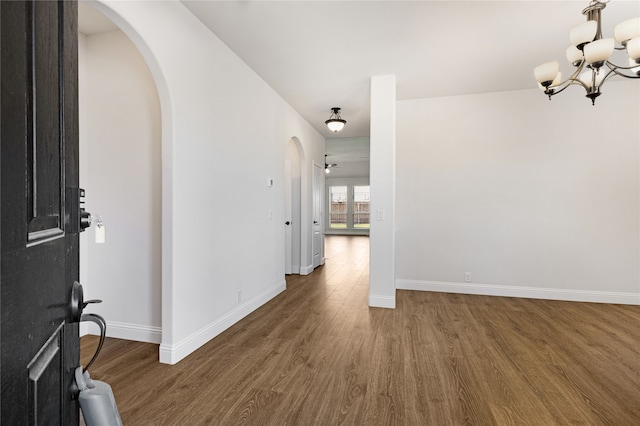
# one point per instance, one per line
(287, 223)
(315, 222)
(77, 302)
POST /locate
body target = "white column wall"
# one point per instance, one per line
(383, 176)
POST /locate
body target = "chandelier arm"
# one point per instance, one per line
(572, 79)
(614, 69)
(612, 72)
(568, 82)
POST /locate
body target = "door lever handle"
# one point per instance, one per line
(84, 305)
(77, 302)
(287, 223)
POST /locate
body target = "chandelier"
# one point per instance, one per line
(589, 53)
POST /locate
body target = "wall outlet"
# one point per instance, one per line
(467, 277)
(239, 296)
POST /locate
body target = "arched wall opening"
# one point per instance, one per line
(122, 137)
(222, 181)
(120, 140)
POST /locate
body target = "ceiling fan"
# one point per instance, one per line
(328, 166)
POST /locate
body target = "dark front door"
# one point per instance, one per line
(39, 343)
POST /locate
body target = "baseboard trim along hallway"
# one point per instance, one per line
(525, 292)
(171, 354)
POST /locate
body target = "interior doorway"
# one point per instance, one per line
(317, 214)
(292, 189)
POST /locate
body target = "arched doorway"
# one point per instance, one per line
(121, 140)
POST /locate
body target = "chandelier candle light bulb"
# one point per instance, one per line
(582, 34)
(599, 51)
(634, 66)
(633, 49)
(627, 30)
(588, 79)
(574, 55)
(590, 54)
(546, 73)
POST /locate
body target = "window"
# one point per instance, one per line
(338, 207)
(349, 208)
(361, 204)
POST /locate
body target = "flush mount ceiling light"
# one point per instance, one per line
(335, 123)
(589, 53)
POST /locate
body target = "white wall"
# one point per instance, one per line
(121, 142)
(534, 198)
(225, 132)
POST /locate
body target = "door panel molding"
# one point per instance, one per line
(44, 147)
(45, 367)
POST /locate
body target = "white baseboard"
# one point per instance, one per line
(138, 333)
(306, 270)
(119, 330)
(172, 354)
(382, 301)
(524, 292)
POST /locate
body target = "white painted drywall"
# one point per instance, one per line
(382, 251)
(225, 132)
(534, 198)
(120, 143)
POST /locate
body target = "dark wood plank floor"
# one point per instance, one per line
(318, 355)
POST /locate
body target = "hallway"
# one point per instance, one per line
(318, 355)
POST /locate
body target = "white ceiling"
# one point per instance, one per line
(321, 54)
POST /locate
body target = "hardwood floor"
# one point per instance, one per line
(318, 355)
